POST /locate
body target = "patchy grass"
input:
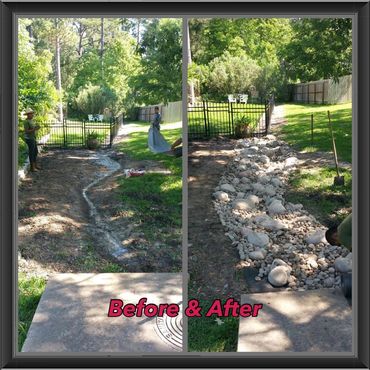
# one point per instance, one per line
(153, 202)
(206, 335)
(315, 190)
(30, 291)
(297, 132)
(91, 261)
(136, 147)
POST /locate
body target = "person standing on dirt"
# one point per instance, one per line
(30, 129)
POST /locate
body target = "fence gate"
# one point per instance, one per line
(208, 119)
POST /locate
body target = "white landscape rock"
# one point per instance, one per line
(258, 239)
(228, 188)
(269, 190)
(221, 195)
(277, 262)
(343, 264)
(316, 238)
(243, 205)
(276, 181)
(245, 231)
(264, 159)
(280, 239)
(268, 223)
(253, 199)
(291, 161)
(276, 207)
(278, 276)
(259, 254)
(258, 187)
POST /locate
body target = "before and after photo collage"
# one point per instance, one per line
(184, 185)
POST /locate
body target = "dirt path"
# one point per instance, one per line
(214, 266)
(54, 224)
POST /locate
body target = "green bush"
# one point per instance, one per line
(94, 99)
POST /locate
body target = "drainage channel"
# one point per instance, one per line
(115, 246)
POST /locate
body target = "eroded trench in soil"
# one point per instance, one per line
(67, 216)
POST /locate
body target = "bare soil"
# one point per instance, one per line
(53, 218)
(55, 230)
(214, 265)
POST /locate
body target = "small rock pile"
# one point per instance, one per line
(279, 238)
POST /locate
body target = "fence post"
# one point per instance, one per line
(111, 133)
(267, 116)
(312, 129)
(205, 117)
(64, 133)
(84, 132)
(232, 119)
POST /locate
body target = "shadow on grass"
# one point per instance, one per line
(315, 190)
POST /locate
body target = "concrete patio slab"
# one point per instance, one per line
(72, 315)
(307, 321)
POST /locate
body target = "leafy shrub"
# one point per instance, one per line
(94, 99)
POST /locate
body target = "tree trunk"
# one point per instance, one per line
(58, 75)
(81, 32)
(191, 83)
(102, 49)
(138, 31)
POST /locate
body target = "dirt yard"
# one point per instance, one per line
(56, 231)
(214, 266)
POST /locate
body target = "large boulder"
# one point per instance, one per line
(278, 276)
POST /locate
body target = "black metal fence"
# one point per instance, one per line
(208, 119)
(74, 133)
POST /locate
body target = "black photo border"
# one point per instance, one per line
(8, 13)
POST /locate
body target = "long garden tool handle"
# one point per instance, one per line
(334, 147)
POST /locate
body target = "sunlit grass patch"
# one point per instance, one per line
(297, 131)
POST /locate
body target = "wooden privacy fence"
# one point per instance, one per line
(323, 91)
(208, 119)
(171, 112)
(74, 133)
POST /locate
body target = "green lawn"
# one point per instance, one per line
(206, 334)
(154, 200)
(314, 187)
(30, 291)
(315, 190)
(297, 131)
(219, 117)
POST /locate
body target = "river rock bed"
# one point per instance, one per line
(281, 239)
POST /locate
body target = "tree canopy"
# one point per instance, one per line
(64, 62)
(284, 50)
